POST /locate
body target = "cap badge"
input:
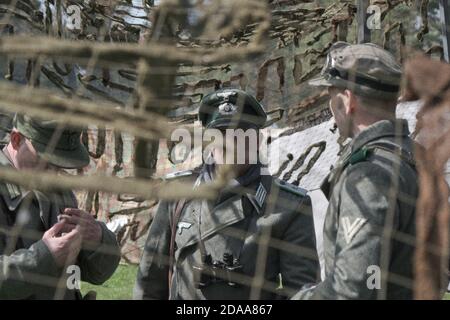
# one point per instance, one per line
(227, 108)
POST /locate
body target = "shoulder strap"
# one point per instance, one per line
(291, 188)
(404, 155)
(364, 152)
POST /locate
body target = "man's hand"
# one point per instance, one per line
(64, 248)
(90, 230)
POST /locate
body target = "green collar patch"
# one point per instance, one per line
(358, 156)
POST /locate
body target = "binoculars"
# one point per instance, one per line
(209, 271)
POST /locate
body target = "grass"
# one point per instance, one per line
(118, 287)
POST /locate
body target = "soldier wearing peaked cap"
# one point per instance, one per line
(45, 231)
(373, 188)
(203, 249)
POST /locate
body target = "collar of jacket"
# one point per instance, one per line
(207, 174)
(378, 130)
(11, 193)
(15, 195)
(246, 184)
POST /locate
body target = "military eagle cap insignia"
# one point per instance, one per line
(226, 94)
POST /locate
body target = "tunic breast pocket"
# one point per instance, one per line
(229, 248)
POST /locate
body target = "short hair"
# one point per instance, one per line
(381, 107)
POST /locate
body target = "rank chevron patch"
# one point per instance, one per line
(351, 228)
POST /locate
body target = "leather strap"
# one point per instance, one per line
(173, 231)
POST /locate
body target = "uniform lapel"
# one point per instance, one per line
(220, 216)
(44, 209)
(204, 219)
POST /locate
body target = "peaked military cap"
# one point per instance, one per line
(366, 69)
(67, 152)
(231, 108)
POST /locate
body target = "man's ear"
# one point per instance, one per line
(350, 102)
(15, 139)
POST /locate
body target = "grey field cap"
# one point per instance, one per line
(366, 69)
(68, 152)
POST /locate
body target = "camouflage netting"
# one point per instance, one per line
(135, 70)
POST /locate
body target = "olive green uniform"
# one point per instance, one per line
(28, 270)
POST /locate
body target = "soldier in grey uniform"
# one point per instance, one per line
(255, 240)
(370, 222)
(43, 233)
